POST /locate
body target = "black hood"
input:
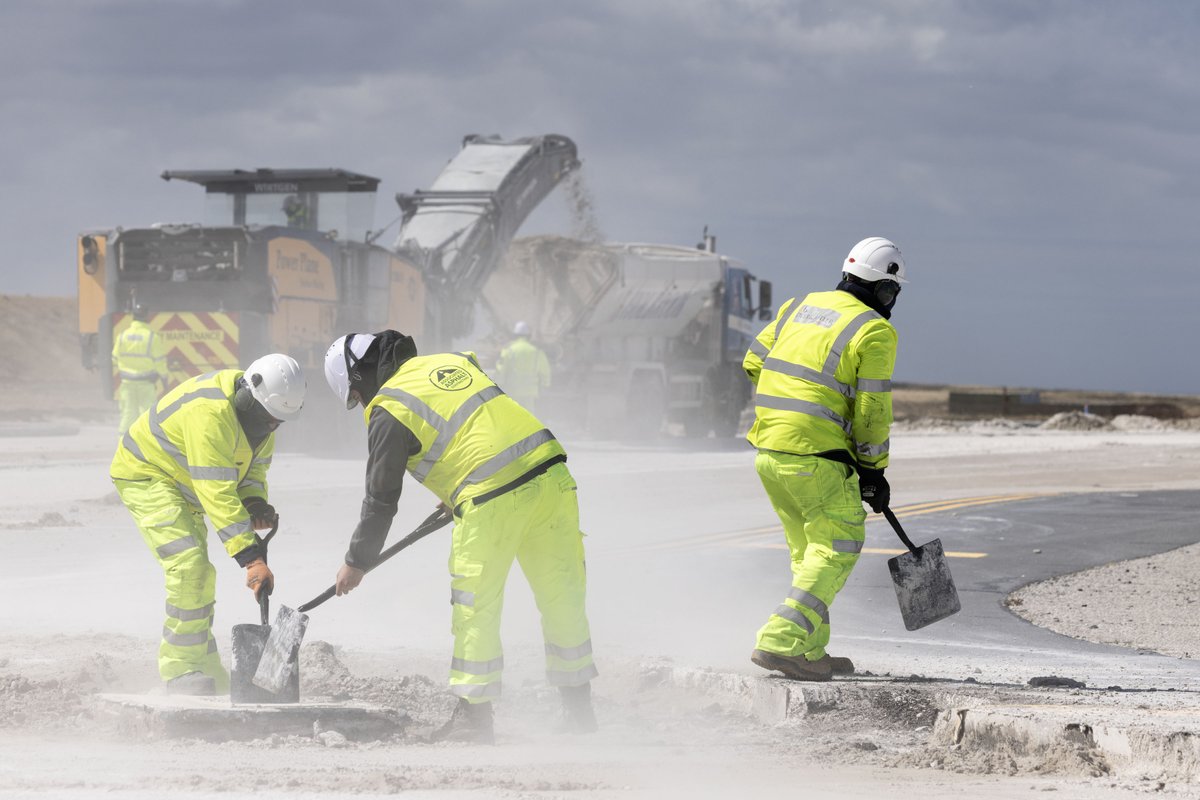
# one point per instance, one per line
(385, 355)
(863, 292)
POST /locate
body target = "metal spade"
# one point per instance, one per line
(924, 587)
(280, 653)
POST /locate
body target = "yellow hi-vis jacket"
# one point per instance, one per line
(473, 437)
(192, 436)
(140, 354)
(523, 369)
(823, 377)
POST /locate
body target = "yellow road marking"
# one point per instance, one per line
(753, 537)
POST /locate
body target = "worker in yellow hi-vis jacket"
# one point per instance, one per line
(204, 448)
(504, 475)
(523, 369)
(823, 411)
(140, 356)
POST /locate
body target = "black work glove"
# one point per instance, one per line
(262, 513)
(874, 489)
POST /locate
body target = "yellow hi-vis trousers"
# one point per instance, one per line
(823, 519)
(179, 540)
(134, 398)
(538, 525)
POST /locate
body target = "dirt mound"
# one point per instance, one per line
(41, 367)
(1076, 421)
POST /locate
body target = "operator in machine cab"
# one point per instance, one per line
(140, 356)
(823, 412)
(523, 369)
(204, 448)
(504, 475)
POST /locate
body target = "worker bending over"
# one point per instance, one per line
(204, 448)
(823, 411)
(504, 476)
(140, 356)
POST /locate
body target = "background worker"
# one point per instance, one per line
(823, 411)
(204, 448)
(140, 356)
(504, 476)
(523, 369)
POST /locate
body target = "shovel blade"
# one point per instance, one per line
(924, 587)
(280, 662)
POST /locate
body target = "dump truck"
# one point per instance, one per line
(644, 338)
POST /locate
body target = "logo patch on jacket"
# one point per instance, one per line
(450, 378)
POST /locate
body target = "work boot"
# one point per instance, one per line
(470, 722)
(797, 668)
(195, 684)
(577, 713)
(838, 665)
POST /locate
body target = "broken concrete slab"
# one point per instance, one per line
(214, 719)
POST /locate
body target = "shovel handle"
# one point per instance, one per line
(264, 607)
(438, 519)
(895, 523)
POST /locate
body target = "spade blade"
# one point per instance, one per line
(924, 587)
(281, 653)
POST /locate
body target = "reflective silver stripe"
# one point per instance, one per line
(802, 407)
(759, 349)
(187, 493)
(184, 639)
(176, 547)
(251, 484)
(476, 689)
(784, 313)
(477, 667)
(230, 531)
(137, 376)
(809, 600)
(462, 598)
(575, 677)
(868, 385)
(448, 429)
(569, 653)
(189, 614)
(264, 461)
(159, 415)
(213, 473)
(847, 546)
(794, 615)
(503, 459)
(873, 449)
(839, 344)
(133, 448)
(805, 373)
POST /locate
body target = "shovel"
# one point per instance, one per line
(922, 579)
(281, 650)
(247, 649)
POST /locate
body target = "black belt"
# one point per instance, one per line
(540, 469)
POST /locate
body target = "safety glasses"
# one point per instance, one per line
(887, 292)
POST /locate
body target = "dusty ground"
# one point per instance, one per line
(671, 728)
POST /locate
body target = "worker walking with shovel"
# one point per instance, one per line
(823, 411)
(504, 477)
(204, 449)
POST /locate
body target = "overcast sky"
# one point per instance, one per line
(1038, 162)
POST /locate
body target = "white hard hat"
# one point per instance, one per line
(281, 387)
(339, 363)
(521, 328)
(875, 259)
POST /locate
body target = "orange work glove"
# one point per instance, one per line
(259, 577)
